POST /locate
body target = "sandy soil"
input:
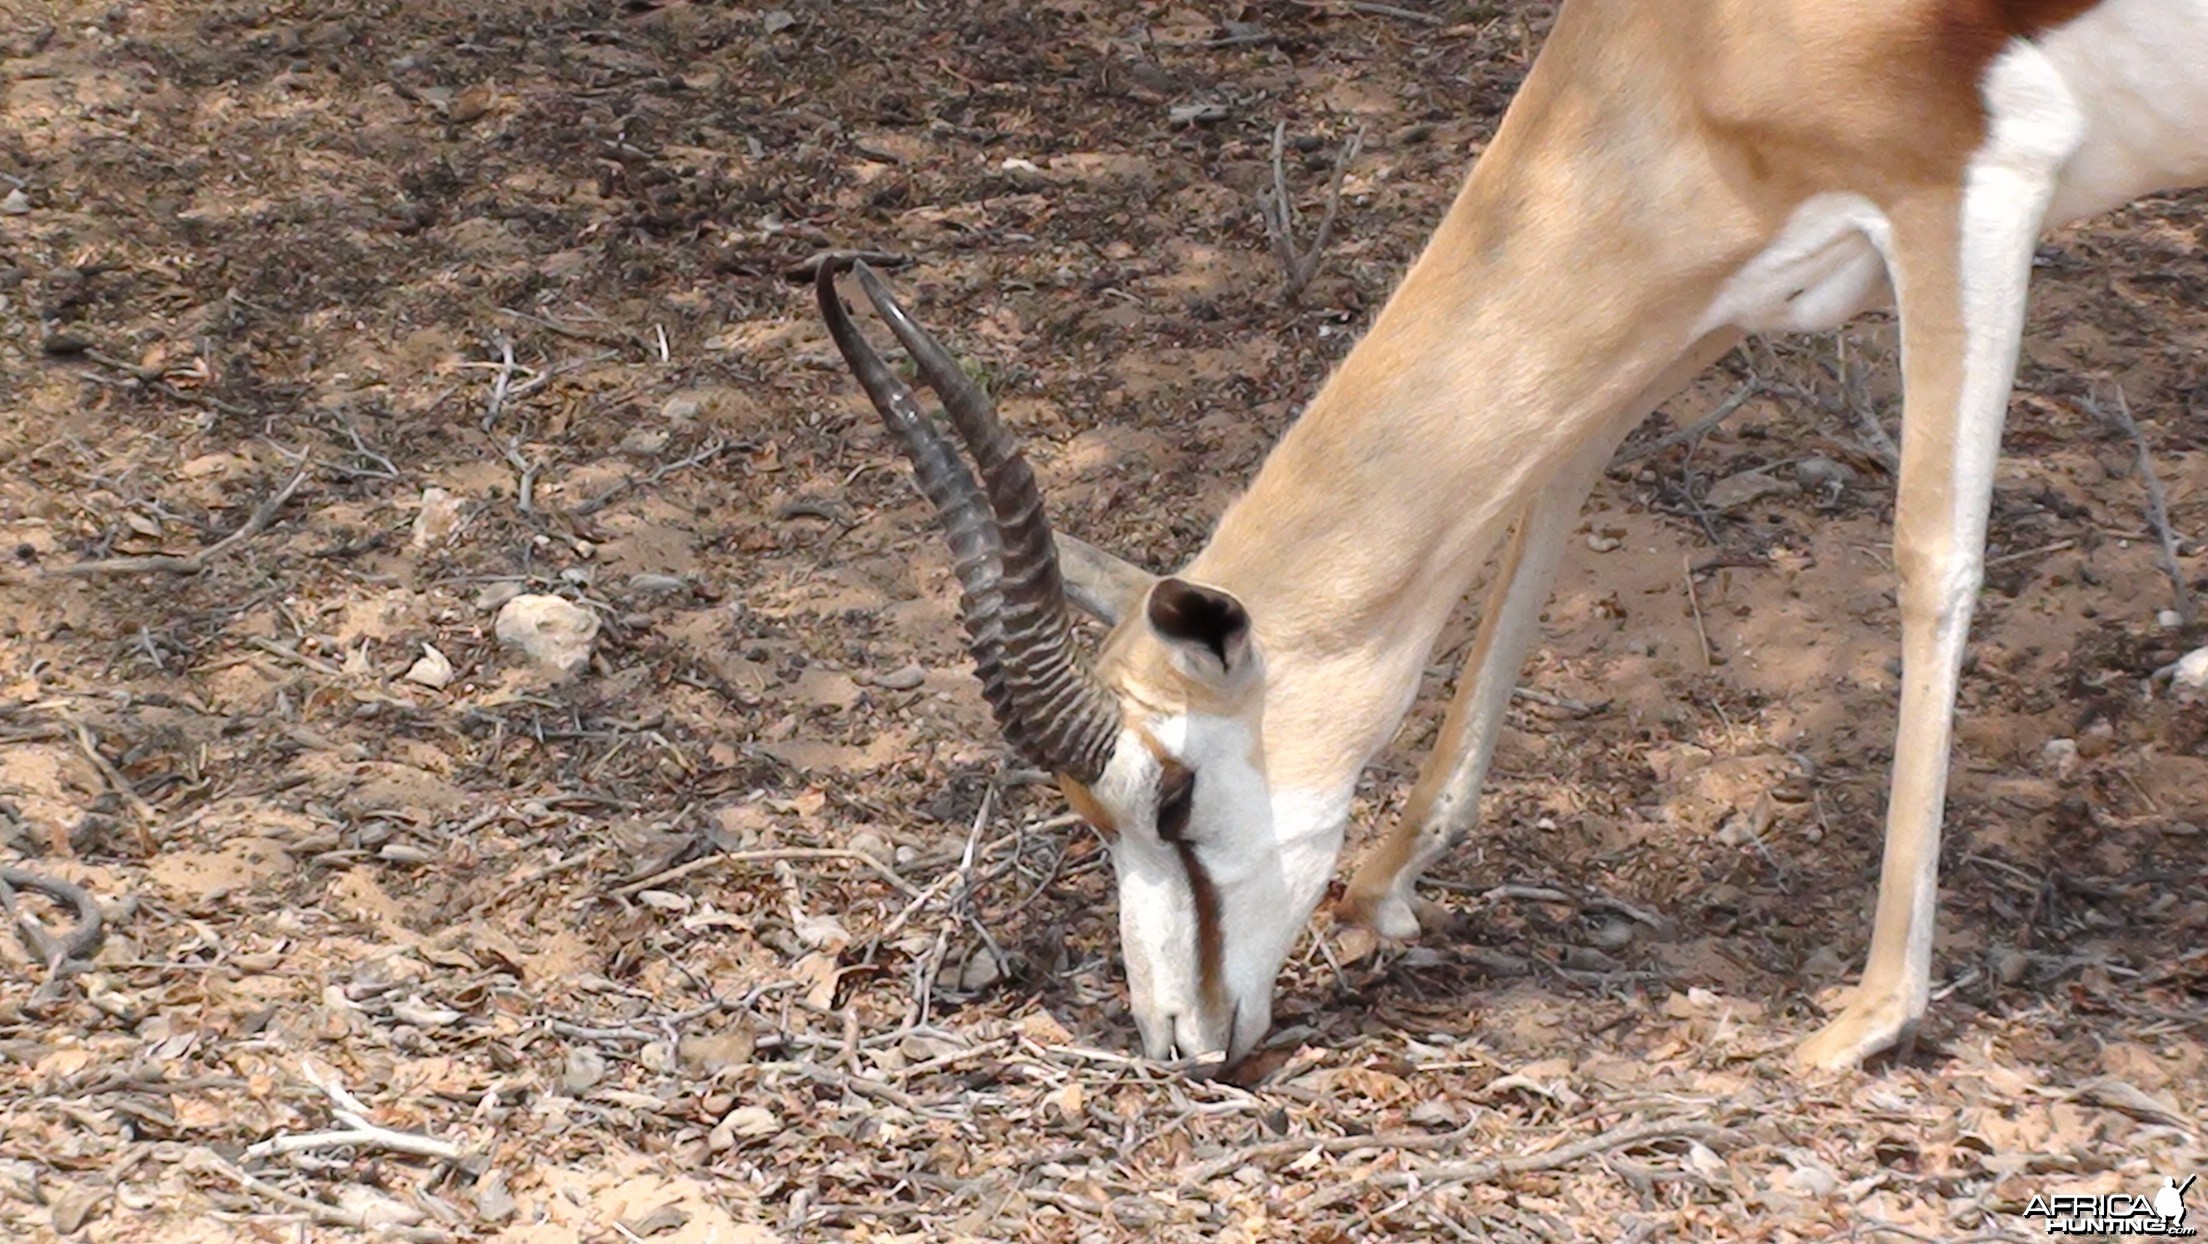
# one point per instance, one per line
(537, 257)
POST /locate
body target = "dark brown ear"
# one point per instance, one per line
(1202, 618)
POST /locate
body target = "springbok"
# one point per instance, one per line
(1671, 175)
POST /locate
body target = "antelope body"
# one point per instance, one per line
(1672, 175)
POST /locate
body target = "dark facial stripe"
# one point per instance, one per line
(1208, 948)
(1176, 797)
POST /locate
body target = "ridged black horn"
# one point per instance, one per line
(1013, 597)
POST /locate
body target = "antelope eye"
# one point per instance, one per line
(1175, 796)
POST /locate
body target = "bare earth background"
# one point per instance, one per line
(249, 232)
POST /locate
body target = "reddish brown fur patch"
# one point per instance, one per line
(1975, 31)
(1086, 806)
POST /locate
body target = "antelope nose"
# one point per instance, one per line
(1190, 1040)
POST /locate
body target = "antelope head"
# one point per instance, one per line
(1157, 742)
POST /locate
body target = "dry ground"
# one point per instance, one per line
(587, 933)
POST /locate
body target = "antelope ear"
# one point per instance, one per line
(1105, 587)
(1207, 628)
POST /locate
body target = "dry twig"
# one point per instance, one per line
(711, 450)
(1694, 599)
(1278, 209)
(192, 563)
(2158, 508)
(1694, 431)
(805, 270)
(1375, 9)
(1266, 1155)
(358, 1131)
(666, 875)
(1432, 1175)
(157, 380)
(59, 955)
(115, 780)
(321, 1212)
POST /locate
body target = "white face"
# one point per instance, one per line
(1218, 873)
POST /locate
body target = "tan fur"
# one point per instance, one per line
(1656, 147)
(1653, 149)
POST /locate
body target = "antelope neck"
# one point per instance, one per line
(1524, 330)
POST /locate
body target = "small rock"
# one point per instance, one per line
(73, 1207)
(554, 633)
(433, 669)
(1198, 114)
(682, 407)
(2061, 755)
(2097, 740)
(1705, 1161)
(585, 1068)
(742, 1123)
(645, 442)
(775, 21)
(495, 595)
(1601, 543)
(438, 518)
(2169, 619)
(1614, 932)
(904, 679)
(493, 1202)
(2009, 967)
(2190, 674)
(1588, 959)
(375, 1212)
(357, 664)
(1811, 1181)
(471, 104)
(62, 345)
(1817, 473)
(709, 1054)
(580, 576)
(1742, 488)
(16, 203)
(669, 1217)
(648, 584)
(872, 845)
(980, 972)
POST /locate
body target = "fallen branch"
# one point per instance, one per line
(2158, 509)
(57, 954)
(712, 450)
(1264, 1156)
(805, 270)
(615, 335)
(2043, 550)
(501, 380)
(1278, 210)
(680, 871)
(191, 563)
(1694, 599)
(358, 1130)
(1376, 10)
(525, 491)
(321, 1212)
(1625, 1135)
(1693, 431)
(156, 380)
(114, 778)
(1577, 708)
